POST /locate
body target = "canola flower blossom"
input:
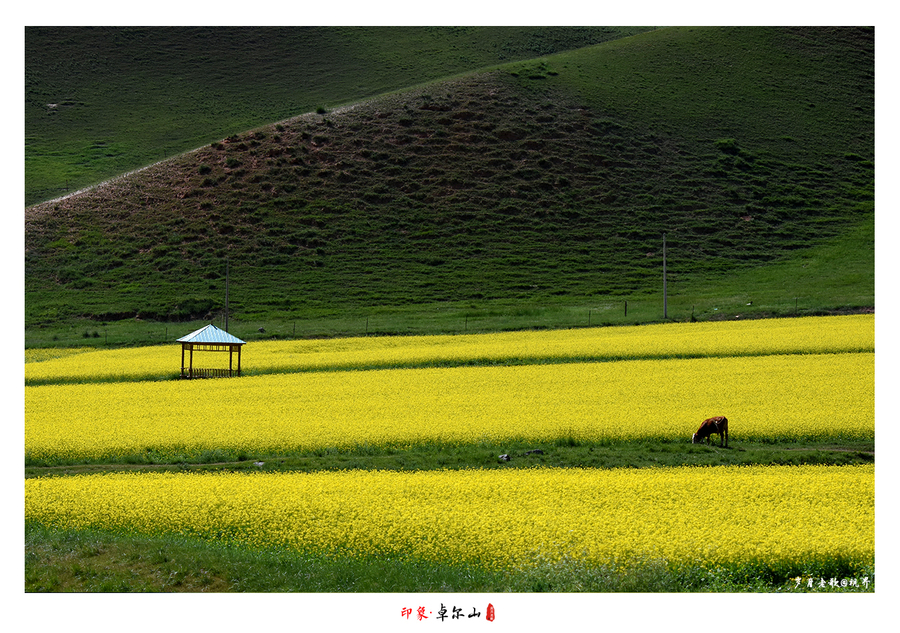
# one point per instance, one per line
(778, 398)
(514, 518)
(41, 354)
(806, 335)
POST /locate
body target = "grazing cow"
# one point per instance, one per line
(718, 424)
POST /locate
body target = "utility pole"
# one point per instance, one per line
(226, 294)
(665, 289)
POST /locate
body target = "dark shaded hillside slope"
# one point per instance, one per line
(543, 179)
(103, 101)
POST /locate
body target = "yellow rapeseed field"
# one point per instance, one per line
(777, 397)
(514, 518)
(809, 335)
(40, 354)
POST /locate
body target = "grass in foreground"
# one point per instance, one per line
(94, 561)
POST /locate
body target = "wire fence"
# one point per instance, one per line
(449, 321)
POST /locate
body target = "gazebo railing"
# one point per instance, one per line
(198, 372)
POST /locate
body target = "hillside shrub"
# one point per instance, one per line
(191, 308)
(727, 145)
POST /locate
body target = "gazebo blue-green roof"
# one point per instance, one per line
(210, 339)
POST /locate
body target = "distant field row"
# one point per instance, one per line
(513, 519)
(808, 335)
(769, 398)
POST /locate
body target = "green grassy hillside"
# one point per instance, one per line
(103, 101)
(543, 182)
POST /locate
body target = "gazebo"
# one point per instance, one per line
(210, 339)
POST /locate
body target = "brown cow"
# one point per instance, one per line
(718, 424)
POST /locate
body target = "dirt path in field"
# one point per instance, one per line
(77, 469)
(554, 456)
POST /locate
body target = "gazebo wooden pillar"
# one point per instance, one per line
(210, 339)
